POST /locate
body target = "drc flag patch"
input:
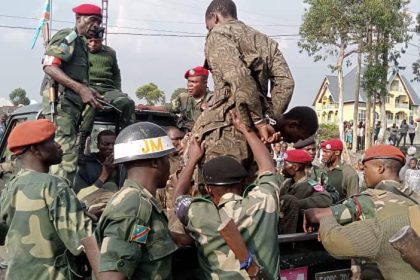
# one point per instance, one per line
(139, 234)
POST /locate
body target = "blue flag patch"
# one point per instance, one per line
(140, 234)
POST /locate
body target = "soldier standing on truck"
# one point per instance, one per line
(45, 219)
(254, 209)
(105, 78)
(66, 65)
(372, 217)
(243, 63)
(341, 176)
(191, 103)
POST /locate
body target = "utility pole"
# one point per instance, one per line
(105, 19)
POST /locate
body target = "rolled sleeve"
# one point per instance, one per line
(182, 206)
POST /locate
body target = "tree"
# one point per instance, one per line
(177, 92)
(18, 96)
(151, 94)
(416, 65)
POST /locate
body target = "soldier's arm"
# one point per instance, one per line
(66, 214)
(356, 208)
(282, 83)
(346, 241)
(225, 61)
(316, 200)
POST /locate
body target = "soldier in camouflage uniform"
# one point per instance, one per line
(243, 63)
(380, 212)
(298, 191)
(45, 219)
(66, 66)
(252, 209)
(189, 105)
(133, 231)
(315, 172)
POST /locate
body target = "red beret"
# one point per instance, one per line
(196, 71)
(332, 145)
(383, 151)
(298, 156)
(29, 133)
(88, 9)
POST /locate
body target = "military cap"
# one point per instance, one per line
(297, 156)
(196, 71)
(332, 145)
(383, 151)
(88, 9)
(29, 133)
(303, 143)
(223, 170)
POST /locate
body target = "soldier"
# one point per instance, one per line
(315, 172)
(45, 219)
(133, 231)
(254, 209)
(191, 103)
(66, 66)
(298, 191)
(105, 78)
(380, 212)
(341, 176)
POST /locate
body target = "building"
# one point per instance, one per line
(401, 103)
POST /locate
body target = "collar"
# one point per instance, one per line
(386, 184)
(228, 197)
(144, 192)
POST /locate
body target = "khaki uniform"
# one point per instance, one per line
(257, 209)
(133, 235)
(46, 223)
(242, 61)
(344, 179)
(71, 49)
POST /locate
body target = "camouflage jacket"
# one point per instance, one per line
(243, 61)
(310, 193)
(365, 205)
(46, 223)
(257, 209)
(133, 235)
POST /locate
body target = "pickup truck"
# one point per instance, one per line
(302, 256)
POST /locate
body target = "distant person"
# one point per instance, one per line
(409, 154)
(403, 132)
(361, 136)
(412, 176)
(376, 131)
(349, 136)
(279, 150)
(3, 119)
(393, 135)
(412, 131)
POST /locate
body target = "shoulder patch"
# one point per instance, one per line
(71, 37)
(312, 182)
(139, 234)
(316, 185)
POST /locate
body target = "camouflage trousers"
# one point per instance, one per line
(67, 118)
(289, 214)
(117, 99)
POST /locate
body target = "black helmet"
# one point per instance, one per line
(142, 140)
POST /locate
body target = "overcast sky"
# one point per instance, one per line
(158, 59)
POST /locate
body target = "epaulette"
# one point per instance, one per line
(71, 37)
(201, 199)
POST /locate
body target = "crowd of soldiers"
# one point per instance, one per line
(211, 182)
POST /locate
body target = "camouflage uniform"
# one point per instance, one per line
(295, 196)
(189, 108)
(344, 179)
(71, 49)
(46, 223)
(105, 78)
(242, 61)
(365, 205)
(318, 174)
(257, 209)
(133, 235)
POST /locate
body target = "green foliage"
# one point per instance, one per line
(177, 92)
(327, 131)
(416, 64)
(371, 80)
(151, 94)
(18, 96)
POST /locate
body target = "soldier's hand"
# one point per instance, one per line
(313, 216)
(195, 150)
(237, 121)
(89, 97)
(142, 107)
(267, 133)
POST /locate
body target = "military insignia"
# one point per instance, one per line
(318, 188)
(192, 72)
(139, 234)
(71, 37)
(328, 146)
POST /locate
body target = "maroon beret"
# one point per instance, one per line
(332, 145)
(297, 156)
(196, 71)
(383, 151)
(88, 9)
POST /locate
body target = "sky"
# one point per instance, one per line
(159, 59)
